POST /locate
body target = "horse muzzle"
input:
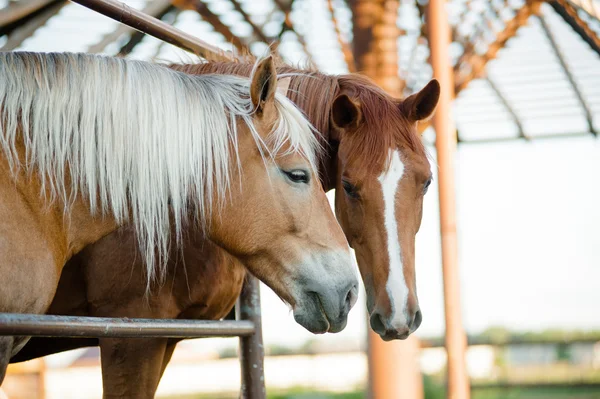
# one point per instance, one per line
(326, 310)
(396, 327)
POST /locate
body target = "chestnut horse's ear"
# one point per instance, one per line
(420, 106)
(345, 113)
(263, 84)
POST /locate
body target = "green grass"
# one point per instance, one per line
(432, 391)
(537, 393)
(297, 393)
(317, 395)
(438, 394)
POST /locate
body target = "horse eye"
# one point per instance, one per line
(427, 184)
(297, 176)
(350, 189)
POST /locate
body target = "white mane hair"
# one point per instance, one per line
(135, 139)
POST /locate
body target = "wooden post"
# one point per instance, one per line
(456, 341)
(394, 371)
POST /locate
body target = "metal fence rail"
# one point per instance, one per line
(33, 325)
(247, 327)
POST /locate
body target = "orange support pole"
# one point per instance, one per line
(394, 371)
(456, 341)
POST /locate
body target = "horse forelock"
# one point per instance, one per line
(109, 122)
(384, 126)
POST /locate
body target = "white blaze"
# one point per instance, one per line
(396, 285)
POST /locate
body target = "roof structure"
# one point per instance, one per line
(523, 69)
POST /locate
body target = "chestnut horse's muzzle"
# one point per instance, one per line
(395, 329)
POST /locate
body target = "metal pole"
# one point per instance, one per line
(42, 379)
(104, 327)
(456, 340)
(152, 26)
(394, 371)
(251, 347)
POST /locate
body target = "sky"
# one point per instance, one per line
(528, 212)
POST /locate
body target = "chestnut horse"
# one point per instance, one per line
(378, 166)
(376, 162)
(92, 143)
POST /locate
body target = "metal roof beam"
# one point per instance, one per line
(255, 28)
(476, 63)
(344, 46)
(568, 73)
(508, 107)
(591, 7)
(568, 11)
(24, 31)
(421, 40)
(213, 19)
(286, 7)
(156, 8)
(19, 12)
(535, 137)
(290, 28)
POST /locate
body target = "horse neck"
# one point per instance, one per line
(65, 232)
(312, 92)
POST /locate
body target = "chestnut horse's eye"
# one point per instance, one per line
(297, 176)
(350, 189)
(427, 184)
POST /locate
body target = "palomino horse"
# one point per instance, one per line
(91, 143)
(378, 201)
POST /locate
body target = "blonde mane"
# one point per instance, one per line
(137, 140)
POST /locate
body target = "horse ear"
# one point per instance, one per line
(345, 113)
(263, 84)
(420, 106)
(283, 85)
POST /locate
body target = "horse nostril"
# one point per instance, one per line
(351, 297)
(377, 323)
(416, 321)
